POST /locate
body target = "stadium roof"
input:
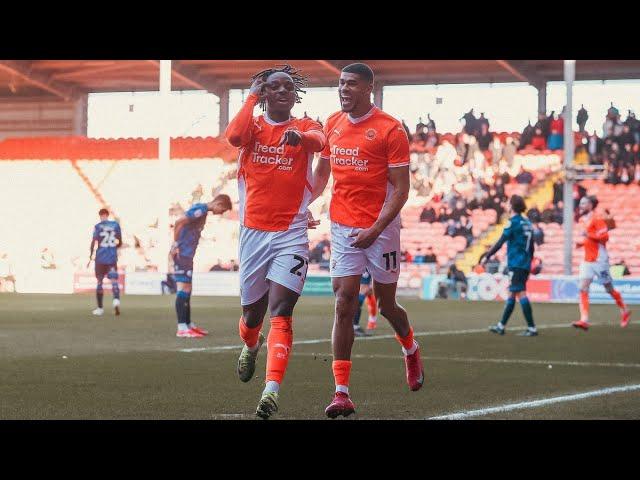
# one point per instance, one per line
(68, 79)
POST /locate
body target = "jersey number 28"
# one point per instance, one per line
(108, 239)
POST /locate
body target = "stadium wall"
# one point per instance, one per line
(37, 117)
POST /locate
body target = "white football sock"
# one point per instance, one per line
(412, 350)
(271, 386)
(342, 388)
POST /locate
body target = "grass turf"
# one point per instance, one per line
(133, 366)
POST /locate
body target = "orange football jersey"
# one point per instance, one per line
(360, 152)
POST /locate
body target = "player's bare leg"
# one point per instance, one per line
(282, 301)
(397, 317)
(583, 323)
(249, 327)
(625, 313)
(346, 290)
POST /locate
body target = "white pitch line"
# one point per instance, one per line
(482, 360)
(536, 403)
(373, 337)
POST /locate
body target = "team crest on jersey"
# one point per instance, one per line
(370, 134)
(336, 132)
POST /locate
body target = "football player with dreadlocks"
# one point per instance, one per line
(274, 182)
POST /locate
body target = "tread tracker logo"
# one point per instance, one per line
(348, 157)
(270, 155)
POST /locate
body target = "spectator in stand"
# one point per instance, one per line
(483, 121)
(470, 123)
(431, 125)
(534, 214)
(405, 256)
(443, 215)
(459, 210)
(496, 150)
(234, 266)
(538, 141)
(524, 177)
(595, 147)
(634, 126)
(558, 191)
(420, 126)
(419, 256)
(527, 135)
(326, 257)
(538, 234)
(421, 135)
(451, 228)
(465, 229)
(510, 150)
(548, 214)
(493, 202)
(555, 141)
(543, 124)
(406, 129)
(582, 118)
(558, 213)
(458, 280)
(612, 126)
(428, 214)
(218, 266)
(499, 187)
(429, 256)
(484, 138)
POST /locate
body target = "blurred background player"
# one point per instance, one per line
(367, 152)
(596, 259)
(186, 236)
(518, 233)
(274, 179)
(108, 236)
(366, 294)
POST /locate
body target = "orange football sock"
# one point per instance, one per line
(279, 342)
(584, 306)
(341, 372)
(372, 305)
(249, 335)
(406, 342)
(618, 298)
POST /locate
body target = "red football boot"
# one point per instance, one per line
(199, 330)
(581, 324)
(415, 370)
(341, 405)
(624, 320)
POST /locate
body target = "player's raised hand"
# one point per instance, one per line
(364, 238)
(311, 222)
(257, 86)
(290, 137)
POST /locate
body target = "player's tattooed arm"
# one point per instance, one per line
(399, 178)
